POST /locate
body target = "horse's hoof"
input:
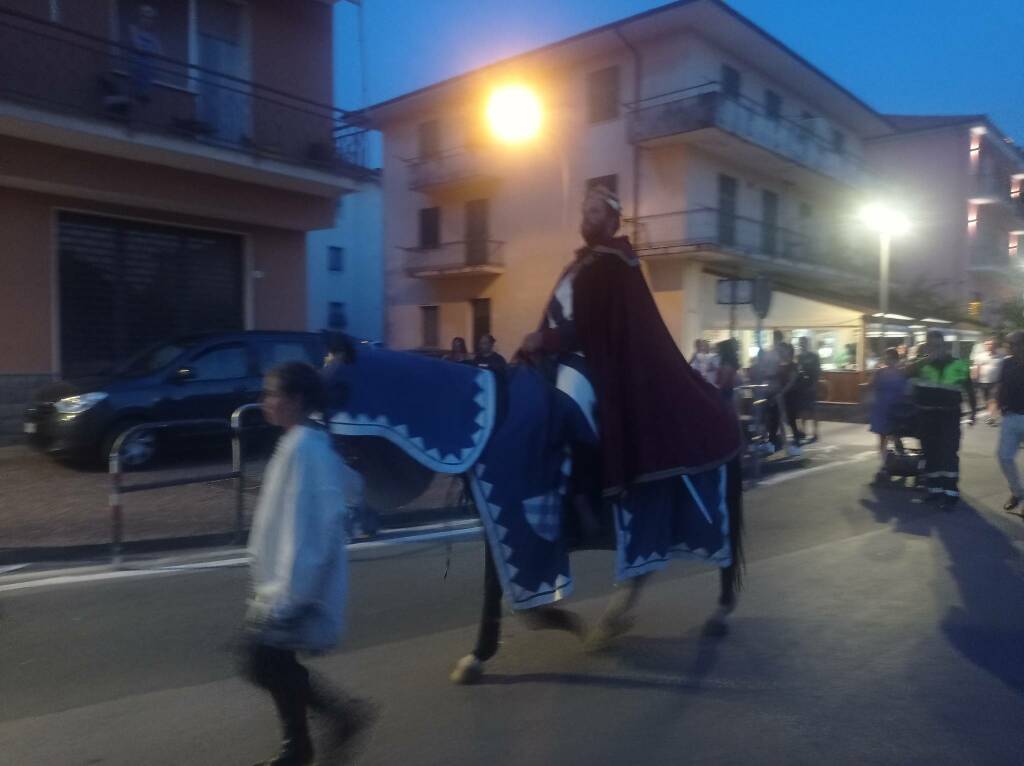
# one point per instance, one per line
(606, 631)
(468, 670)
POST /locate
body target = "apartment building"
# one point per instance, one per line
(162, 162)
(733, 157)
(960, 178)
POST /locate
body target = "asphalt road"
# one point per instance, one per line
(872, 630)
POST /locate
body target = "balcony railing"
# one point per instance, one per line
(51, 67)
(707, 106)
(711, 229)
(452, 259)
(450, 168)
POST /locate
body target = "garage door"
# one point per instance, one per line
(125, 285)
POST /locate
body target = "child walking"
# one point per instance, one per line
(299, 569)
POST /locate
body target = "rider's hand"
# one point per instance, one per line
(532, 343)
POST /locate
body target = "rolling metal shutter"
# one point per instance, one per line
(125, 285)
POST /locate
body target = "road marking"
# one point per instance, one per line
(783, 477)
(11, 568)
(461, 530)
(465, 530)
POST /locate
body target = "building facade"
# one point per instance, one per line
(345, 269)
(162, 162)
(732, 156)
(961, 180)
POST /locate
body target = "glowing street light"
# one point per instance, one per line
(889, 223)
(514, 114)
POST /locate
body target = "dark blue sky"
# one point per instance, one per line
(907, 56)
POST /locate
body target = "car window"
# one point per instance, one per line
(275, 352)
(221, 363)
(154, 359)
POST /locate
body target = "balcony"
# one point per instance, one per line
(990, 257)
(476, 258)
(73, 89)
(709, 234)
(466, 168)
(690, 115)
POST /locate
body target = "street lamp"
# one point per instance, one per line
(889, 223)
(514, 114)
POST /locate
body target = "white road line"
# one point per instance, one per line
(783, 477)
(11, 568)
(467, 530)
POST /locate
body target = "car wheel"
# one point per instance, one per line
(137, 451)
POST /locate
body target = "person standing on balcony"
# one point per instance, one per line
(940, 382)
(144, 42)
(299, 569)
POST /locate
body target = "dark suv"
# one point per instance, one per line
(196, 377)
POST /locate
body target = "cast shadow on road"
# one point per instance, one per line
(988, 627)
(683, 663)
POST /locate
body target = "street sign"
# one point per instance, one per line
(735, 292)
(762, 297)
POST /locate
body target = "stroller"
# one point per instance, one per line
(903, 462)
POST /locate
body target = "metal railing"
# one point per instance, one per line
(709, 106)
(116, 471)
(448, 168)
(467, 257)
(52, 67)
(705, 227)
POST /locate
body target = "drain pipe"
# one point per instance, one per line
(638, 77)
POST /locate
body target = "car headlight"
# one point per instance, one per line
(73, 405)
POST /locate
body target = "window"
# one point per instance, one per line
(335, 258)
(221, 363)
(481, 308)
(611, 183)
(603, 94)
(429, 138)
(477, 231)
(838, 141)
(769, 222)
(275, 352)
(336, 319)
(772, 104)
(430, 228)
(727, 191)
(731, 81)
(429, 319)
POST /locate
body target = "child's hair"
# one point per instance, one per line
(892, 355)
(299, 380)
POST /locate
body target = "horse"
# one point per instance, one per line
(403, 417)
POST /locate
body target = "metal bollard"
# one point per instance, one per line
(116, 516)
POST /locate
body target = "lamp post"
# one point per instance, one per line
(888, 223)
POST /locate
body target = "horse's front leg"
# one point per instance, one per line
(618, 619)
(470, 668)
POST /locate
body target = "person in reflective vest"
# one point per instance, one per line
(940, 381)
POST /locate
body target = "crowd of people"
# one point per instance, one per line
(791, 377)
(922, 396)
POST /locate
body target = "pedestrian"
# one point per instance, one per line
(985, 364)
(705, 361)
(728, 375)
(889, 386)
(487, 357)
(940, 381)
(808, 374)
(458, 354)
(784, 403)
(1010, 399)
(299, 569)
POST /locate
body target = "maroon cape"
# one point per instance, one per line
(658, 416)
